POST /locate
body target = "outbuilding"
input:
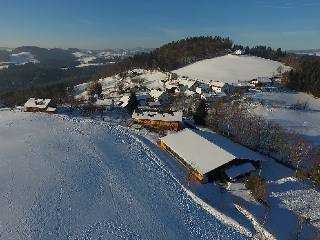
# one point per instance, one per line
(208, 155)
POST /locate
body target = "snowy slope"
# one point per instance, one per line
(230, 68)
(65, 178)
(305, 121)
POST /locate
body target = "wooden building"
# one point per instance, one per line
(157, 120)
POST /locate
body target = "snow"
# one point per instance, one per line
(23, 58)
(70, 178)
(238, 170)
(306, 121)
(230, 69)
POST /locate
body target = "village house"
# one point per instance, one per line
(219, 86)
(39, 105)
(159, 96)
(203, 88)
(239, 52)
(191, 84)
(211, 156)
(107, 103)
(157, 120)
(262, 82)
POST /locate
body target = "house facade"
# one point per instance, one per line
(157, 120)
(219, 86)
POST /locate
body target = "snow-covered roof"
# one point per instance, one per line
(124, 100)
(186, 82)
(104, 102)
(174, 116)
(264, 80)
(204, 86)
(156, 93)
(189, 92)
(208, 95)
(37, 103)
(143, 97)
(204, 155)
(240, 169)
(217, 83)
(155, 104)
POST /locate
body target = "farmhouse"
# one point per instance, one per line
(219, 86)
(157, 120)
(209, 155)
(39, 105)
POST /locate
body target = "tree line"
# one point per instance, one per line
(306, 78)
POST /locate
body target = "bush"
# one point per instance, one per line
(258, 186)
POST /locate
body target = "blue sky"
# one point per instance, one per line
(100, 24)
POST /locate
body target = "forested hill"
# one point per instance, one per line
(307, 77)
(52, 58)
(172, 55)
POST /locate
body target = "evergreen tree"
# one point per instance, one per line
(133, 102)
(201, 113)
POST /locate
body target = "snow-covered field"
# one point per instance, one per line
(23, 58)
(67, 178)
(304, 121)
(230, 69)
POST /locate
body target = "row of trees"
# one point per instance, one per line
(231, 119)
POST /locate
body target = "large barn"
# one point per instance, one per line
(209, 155)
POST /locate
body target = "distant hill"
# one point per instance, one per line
(312, 52)
(172, 55)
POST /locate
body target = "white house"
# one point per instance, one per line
(239, 52)
(160, 96)
(262, 82)
(219, 86)
(203, 88)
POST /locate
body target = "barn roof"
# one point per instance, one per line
(37, 103)
(205, 155)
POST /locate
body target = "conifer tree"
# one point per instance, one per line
(201, 113)
(133, 102)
